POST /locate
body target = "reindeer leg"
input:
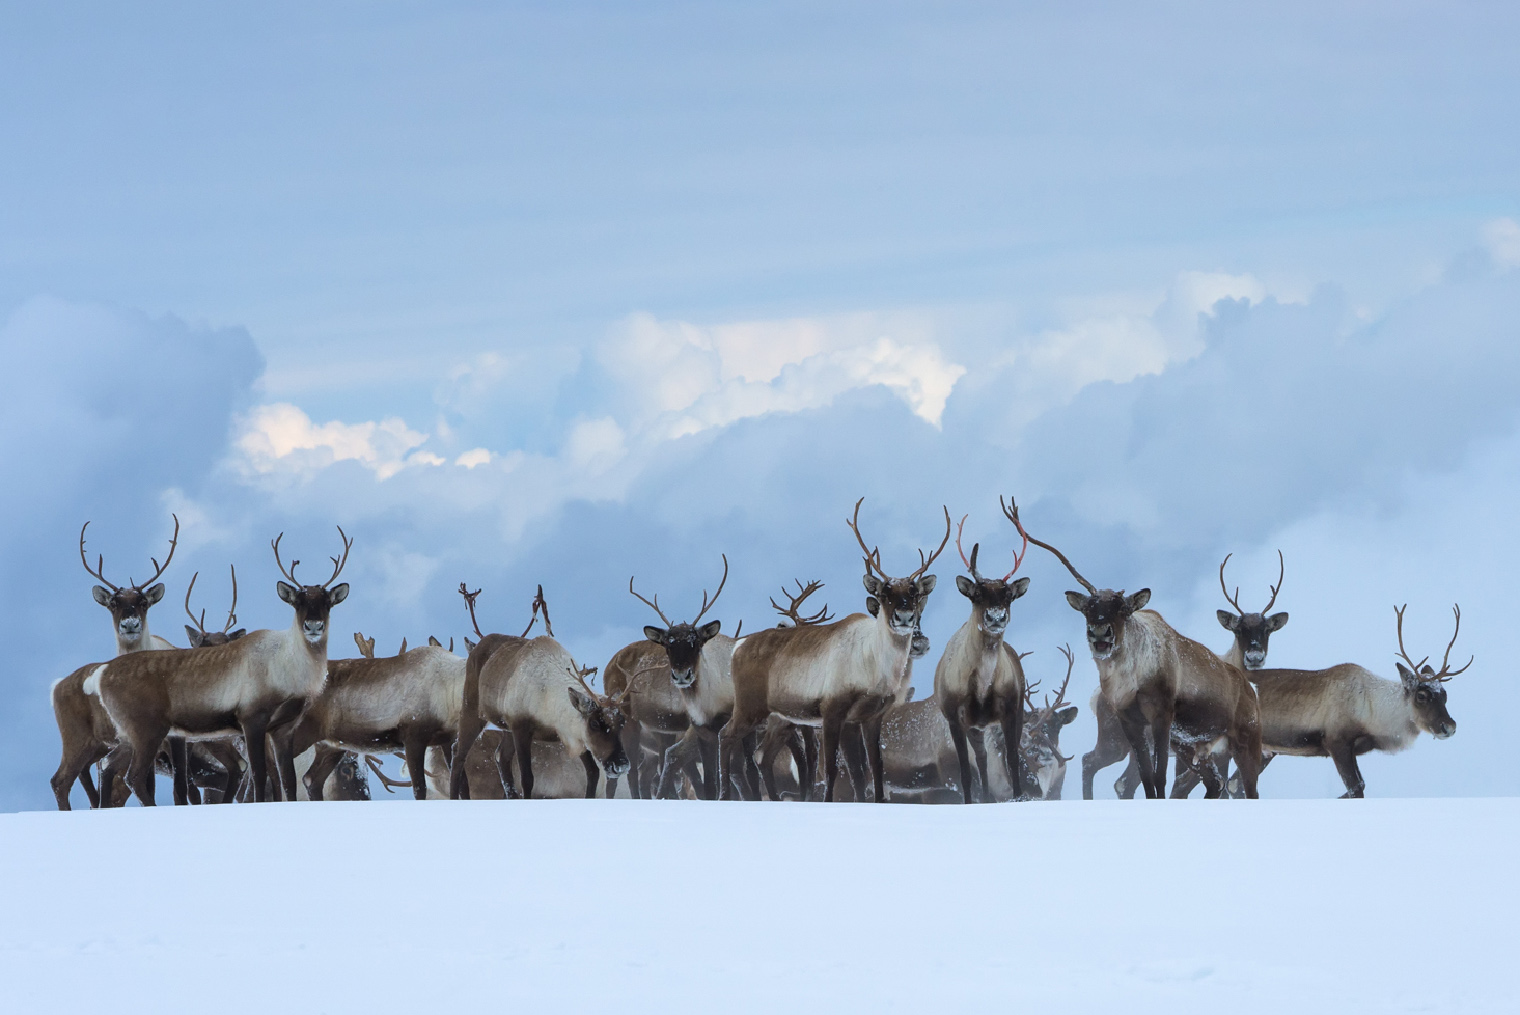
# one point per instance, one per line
(1161, 742)
(804, 759)
(323, 762)
(1132, 720)
(414, 743)
(871, 728)
(730, 741)
(633, 746)
(255, 741)
(852, 743)
(1013, 754)
(749, 773)
(505, 748)
(810, 749)
(1344, 756)
(833, 725)
(470, 725)
(708, 749)
(958, 737)
(75, 765)
(523, 738)
(978, 741)
(592, 771)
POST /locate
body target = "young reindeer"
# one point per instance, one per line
(533, 690)
(1346, 711)
(249, 686)
(1162, 685)
(828, 674)
(979, 681)
(84, 729)
(1248, 650)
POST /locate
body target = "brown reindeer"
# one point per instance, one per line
(1162, 684)
(979, 681)
(85, 731)
(1248, 650)
(828, 674)
(1346, 711)
(259, 682)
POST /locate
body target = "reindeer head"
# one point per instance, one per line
(991, 598)
(199, 636)
(1105, 610)
(683, 643)
(1041, 741)
(313, 603)
(128, 603)
(604, 723)
(1422, 683)
(901, 600)
(1251, 630)
(919, 646)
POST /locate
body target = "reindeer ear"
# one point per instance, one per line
(154, 594)
(101, 596)
(434, 642)
(1067, 714)
(235, 635)
(872, 606)
(1020, 587)
(1138, 600)
(1277, 621)
(872, 584)
(965, 585)
(655, 634)
(1228, 620)
(1407, 676)
(469, 646)
(338, 593)
(926, 584)
(1077, 600)
(710, 630)
(195, 636)
(287, 592)
(582, 701)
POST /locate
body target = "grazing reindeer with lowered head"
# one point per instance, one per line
(259, 682)
(85, 730)
(1248, 650)
(979, 680)
(829, 674)
(1346, 711)
(533, 690)
(1162, 685)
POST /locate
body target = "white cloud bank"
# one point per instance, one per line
(282, 438)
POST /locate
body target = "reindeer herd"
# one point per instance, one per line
(689, 711)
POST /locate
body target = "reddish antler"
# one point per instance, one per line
(872, 554)
(1012, 510)
(99, 570)
(971, 563)
(469, 602)
(803, 591)
(1023, 550)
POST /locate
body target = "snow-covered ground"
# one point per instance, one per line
(1278, 905)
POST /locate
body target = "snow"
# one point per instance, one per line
(1300, 905)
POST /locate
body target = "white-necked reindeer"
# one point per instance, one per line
(829, 674)
(86, 732)
(1251, 634)
(979, 681)
(249, 686)
(1164, 685)
(1346, 711)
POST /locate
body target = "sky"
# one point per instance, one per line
(567, 293)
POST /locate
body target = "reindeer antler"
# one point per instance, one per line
(541, 605)
(655, 604)
(338, 562)
(386, 780)
(1446, 672)
(201, 621)
(291, 573)
(1281, 570)
(99, 570)
(1012, 510)
(1235, 600)
(705, 604)
(970, 564)
(1051, 706)
(926, 562)
(821, 617)
(873, 554)
(469, 601)
(1010, 513)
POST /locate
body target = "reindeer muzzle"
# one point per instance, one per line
(683, 678)
(315, 630)
(1446, 729)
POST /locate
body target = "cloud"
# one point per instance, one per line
(1501, 238)
(282, 438)
(681, 379)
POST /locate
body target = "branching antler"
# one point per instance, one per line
(652, 604)
(469, 602)
(926, 562)
(1281, 570)
(1051, 706)
(338, 562)
(1232, 600)
(708, 605)
(386, 780)
(971, 563)
(872, 554)
(199, 622)
(541, 605)
(291, 573)
(1429, 673)
(1012, 510)
(98, 571)
(823, 616)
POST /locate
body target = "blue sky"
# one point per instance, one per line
(560, 293)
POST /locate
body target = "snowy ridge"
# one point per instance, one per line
(1268, 906)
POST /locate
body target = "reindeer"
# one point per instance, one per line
(260, 682)
(1346, 711)
(1040, 745)
(699, 661)
(407, 702)
(828, 674)
(84, 729)
(979, 680)
(1248, 651)
(533, 690)
(800, 741)
(1162, 685)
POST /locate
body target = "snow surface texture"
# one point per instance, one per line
(1303, 906)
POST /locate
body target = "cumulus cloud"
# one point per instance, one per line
(683, 379)
(281, 437)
